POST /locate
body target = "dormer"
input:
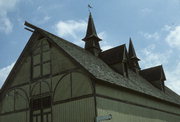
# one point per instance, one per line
(155, 76)
(116, 58)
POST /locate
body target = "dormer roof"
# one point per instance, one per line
(114, 55)
(154, 73)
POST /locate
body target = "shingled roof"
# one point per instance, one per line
(100, 70)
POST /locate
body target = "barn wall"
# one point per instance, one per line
(74, 84)
(15, 99)
(23, 74)
(133, 99)
(130, 113)
(62, 79)
(60, 61)
(15, 117)
(82, 110)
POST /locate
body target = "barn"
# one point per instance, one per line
(55, 80)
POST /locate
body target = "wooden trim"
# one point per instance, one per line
(72, 99)
(136, 104)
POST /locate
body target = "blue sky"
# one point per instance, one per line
(153, 25)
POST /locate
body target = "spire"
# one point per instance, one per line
(91, 39)
(132, 53)
(133, 59)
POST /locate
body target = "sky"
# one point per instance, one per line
(154, 27)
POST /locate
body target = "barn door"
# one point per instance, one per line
(46, 115)
(40, 109)
(36, 116)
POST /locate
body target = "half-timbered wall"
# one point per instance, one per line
(48, 71)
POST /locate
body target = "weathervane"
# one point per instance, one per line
(89, 7)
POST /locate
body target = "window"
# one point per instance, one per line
(40, 109)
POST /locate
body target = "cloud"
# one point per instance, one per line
(173, 78)
(4, 73)
(106, 47)
(154, 35)
(76, 30)
(70, 28)
(5, 24)
(167, 28)
(104, 43)
(152, 58)
(42, 19)
(6, 6)
(46, 18)
(173, 37)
